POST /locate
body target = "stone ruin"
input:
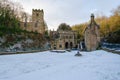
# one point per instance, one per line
(92, 35)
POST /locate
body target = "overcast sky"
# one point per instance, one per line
(69, 11)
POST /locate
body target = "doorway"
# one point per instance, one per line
(71, 45)
(66, 45)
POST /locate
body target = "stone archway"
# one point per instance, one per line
(54, 46)
(66, 45)
(71, 45)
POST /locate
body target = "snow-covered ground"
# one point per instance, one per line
(96, 65)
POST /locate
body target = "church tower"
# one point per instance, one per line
(38, 24)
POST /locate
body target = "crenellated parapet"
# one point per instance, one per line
(37, 10)
(37, 24)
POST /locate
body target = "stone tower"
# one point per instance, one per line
(92, 35)
(38, 21)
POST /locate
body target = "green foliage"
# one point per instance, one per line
(113, 37)
(64, 27)
(46, 35)
(109, 26)
(8, 19)
(80, 30)
(10, 29)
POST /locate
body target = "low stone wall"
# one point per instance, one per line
(21, 52)
(110, 50)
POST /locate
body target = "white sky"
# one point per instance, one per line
(69, 11)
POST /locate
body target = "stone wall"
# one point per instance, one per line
(37, 24)
(66, 40)
(92, 35)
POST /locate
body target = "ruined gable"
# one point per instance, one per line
(92, 35)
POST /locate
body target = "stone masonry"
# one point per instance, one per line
(92, 35)
(66, 39)
(37, 24)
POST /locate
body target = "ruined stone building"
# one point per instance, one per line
(92, 35)
(37, 24)
(64, 38)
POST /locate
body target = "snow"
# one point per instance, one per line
(96, 65)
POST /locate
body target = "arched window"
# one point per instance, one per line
(71, 45)
(54, 46)
(66, 37)
(37, 14)
(60, 46)
(25, 24)
(36, 24)
(66, 45)
(70, 37)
